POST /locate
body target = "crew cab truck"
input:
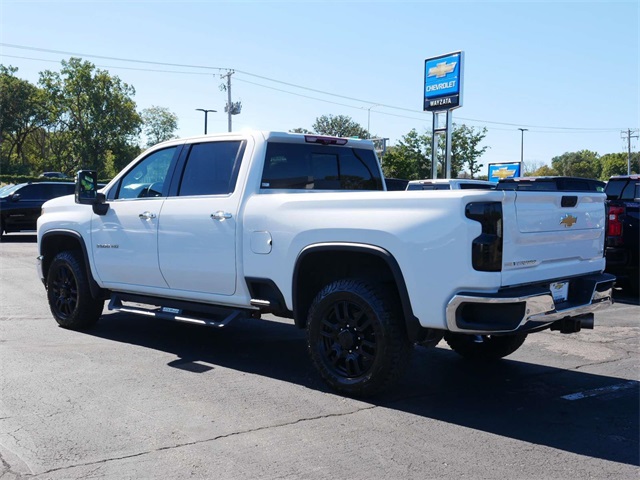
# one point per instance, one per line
(217, 227)
(622, 250)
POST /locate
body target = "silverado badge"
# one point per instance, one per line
(568, 221)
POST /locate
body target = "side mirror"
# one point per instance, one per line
(87, 191)
(86, 187)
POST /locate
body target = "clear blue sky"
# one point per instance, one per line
(568, 72)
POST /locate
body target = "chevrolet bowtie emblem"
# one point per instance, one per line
(568, 221)
(441, 69)
(504, 172)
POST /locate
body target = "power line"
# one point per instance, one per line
(155, 70)
(148, 62)
(368, 102)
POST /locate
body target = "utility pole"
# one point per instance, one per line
(629, 134)
(522, 150)
(229, 108)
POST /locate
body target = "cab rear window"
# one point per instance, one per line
(320, 167)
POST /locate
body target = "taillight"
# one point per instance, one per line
(614, 224)
(486, 250)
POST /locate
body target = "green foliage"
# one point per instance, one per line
(94, 107)
(300, 130)
(584, 163)
(22, 114)
(411, 158)
(543, 171)
(617, 163)
(160, 124)
(466, 150)
(78, 117)
(338, 126)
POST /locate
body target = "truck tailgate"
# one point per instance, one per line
(550, 234)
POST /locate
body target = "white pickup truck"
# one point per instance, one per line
(217, 227)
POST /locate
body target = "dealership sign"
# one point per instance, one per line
(503, 170)
(443, 82)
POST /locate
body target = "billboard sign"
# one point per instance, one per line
(503, 170)
(443, 82)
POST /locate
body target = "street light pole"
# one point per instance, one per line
(205, 117)
(369, 118)
(522, 130)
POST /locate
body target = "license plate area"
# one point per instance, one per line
(559, 291)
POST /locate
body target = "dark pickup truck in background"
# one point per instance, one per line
(20, 205)
(623, 230)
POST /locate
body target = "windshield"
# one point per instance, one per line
(7, 190)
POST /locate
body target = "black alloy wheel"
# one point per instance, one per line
(349, 338)
(64, 291)
(356, 337)
(68, 292)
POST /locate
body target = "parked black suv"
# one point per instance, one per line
(623, 229)
(20, 205)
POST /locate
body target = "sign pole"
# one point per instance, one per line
(448, 143)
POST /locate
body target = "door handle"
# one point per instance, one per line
(147, 215)
(221, 216)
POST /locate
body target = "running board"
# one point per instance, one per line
(177, 314)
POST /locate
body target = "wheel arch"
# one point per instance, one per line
(318, 265)
(54, 242)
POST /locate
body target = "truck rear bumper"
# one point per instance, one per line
(527, 308)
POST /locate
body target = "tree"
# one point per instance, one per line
(300, 130)
(22, 113)
(159, 124)
(339, 126)
(94, 108)
(411, 158)
(543, 171)
(616, 164)
(584, 163)
(465, 149)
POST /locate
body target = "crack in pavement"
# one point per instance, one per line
(199, 442)
(8, 469)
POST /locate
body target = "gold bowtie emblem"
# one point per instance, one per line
(441, 69)
(568, 221)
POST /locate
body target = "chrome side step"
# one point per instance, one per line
(218, 319)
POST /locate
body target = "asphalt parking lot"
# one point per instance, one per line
(139, 398)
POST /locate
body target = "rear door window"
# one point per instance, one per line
(54, 190)
(630, 191)
(211, 168)
(34, 191)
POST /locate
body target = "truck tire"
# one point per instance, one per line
(357, 338)
(68, 293)
(484, 347)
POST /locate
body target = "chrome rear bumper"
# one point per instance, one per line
(527, 308)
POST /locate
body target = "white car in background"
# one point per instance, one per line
(450, 184)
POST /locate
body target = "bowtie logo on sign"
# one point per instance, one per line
(441, 69)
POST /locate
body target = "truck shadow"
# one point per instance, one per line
(509, 398)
